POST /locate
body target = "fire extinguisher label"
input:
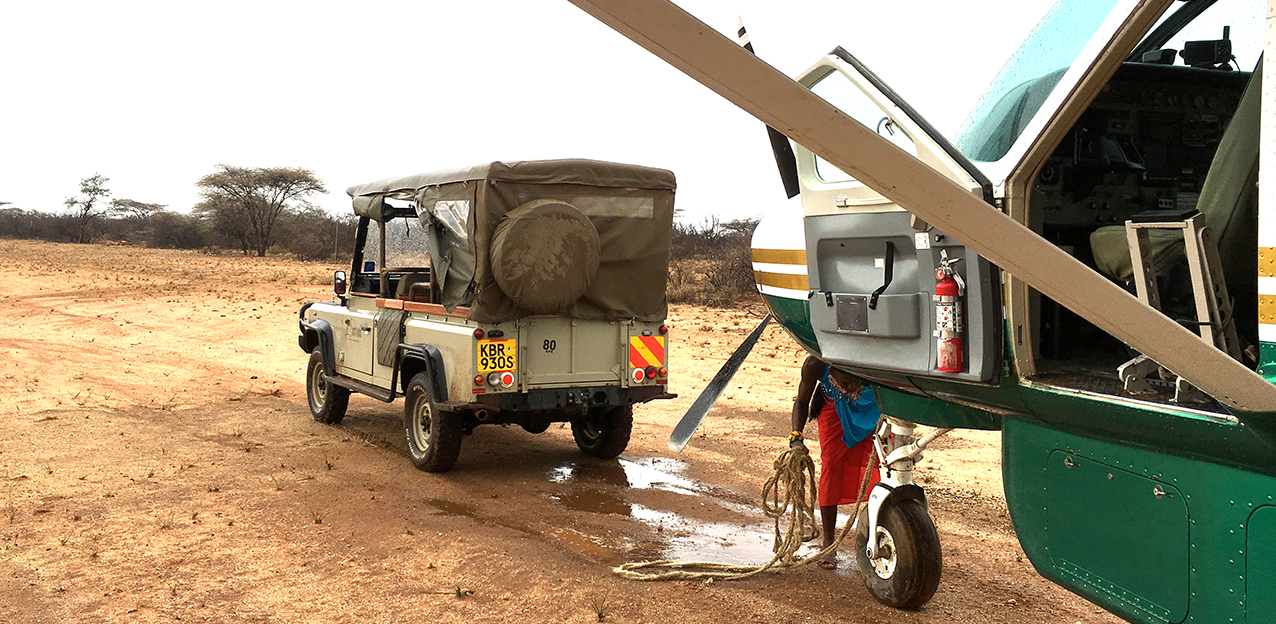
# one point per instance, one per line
(946, 317)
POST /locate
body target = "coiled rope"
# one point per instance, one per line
(790, 495)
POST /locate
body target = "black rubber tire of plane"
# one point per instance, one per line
(918, 558)
(604, 433)
(327, 401)
(434, 435)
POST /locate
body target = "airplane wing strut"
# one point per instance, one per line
(718, 63)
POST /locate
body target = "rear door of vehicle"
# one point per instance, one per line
(560, 352)
(872, 266)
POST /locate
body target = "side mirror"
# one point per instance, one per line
(339, 283)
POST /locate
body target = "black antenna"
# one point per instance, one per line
(785, 161)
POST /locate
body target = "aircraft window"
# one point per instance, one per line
(838, 90)
(1028, 77)
(1245, 19)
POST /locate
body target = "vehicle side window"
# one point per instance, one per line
(372, 249)
(838, 90)
(406, 244)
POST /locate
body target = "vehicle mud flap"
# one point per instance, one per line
(433, 360)
(389, 333)
(324, 331)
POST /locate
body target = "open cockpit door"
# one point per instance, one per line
(872, 265)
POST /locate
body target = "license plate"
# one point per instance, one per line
(495, 356)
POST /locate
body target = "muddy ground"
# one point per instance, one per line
(159, 464)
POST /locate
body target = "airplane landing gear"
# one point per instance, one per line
(902, 561)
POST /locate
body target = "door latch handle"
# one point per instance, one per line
(890, 270)
(1067, 461)
(366, 329)
(1159, 493)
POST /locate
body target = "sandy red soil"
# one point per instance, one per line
(159, 464)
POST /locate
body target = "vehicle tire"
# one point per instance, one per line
(604, 433)
(434, 435)
(328, 401)
(908, 575)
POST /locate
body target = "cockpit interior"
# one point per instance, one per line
(1173, 133)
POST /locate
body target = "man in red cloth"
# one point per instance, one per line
(846, 413)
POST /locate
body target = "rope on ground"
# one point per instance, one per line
(789, 494)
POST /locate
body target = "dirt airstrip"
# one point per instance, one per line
(158, 463)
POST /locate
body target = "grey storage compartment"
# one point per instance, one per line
(896, 316)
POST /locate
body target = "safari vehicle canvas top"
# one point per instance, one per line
(511, 293)
(631, 208)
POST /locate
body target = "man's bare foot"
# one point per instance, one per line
(829, 562)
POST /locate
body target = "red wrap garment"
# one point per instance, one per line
(841, 468)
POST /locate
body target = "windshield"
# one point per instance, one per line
(1019, 89)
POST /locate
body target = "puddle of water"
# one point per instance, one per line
(598, 487)
(593, 500)
(642, 474)
(584, 544)
(747, 543)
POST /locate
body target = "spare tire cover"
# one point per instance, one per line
(544, 255)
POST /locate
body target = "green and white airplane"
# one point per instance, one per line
(1090, 268)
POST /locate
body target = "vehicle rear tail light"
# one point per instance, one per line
(639, 374)
(651, 372)
(664, 372)
(507, 379)
(664, 329)
(494, 379)
(479, 379)
(478, 333)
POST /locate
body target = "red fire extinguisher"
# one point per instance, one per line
(950, 323)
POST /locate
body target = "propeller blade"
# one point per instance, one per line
(695, 414)
(785, 161)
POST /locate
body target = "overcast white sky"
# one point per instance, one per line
(154, 95)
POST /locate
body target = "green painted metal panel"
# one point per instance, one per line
(934, 412)
(1220, 498)
(1260, 535)
(795, 316)
(1120, 533)
(1267, 360)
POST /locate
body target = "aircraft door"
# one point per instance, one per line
(872, 266)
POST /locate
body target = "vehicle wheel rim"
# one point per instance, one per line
(318, 386)
(592, 430)
(884, 564)
(421, 423)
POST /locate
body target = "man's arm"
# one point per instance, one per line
(812, 368)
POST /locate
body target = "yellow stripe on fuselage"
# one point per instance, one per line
(780, 256)
(1266, 261)
(781, 280)
(1267, 309)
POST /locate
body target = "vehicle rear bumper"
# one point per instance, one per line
(566, 398)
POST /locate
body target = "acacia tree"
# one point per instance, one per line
(255, 198)
(135, 210)
(90, 205)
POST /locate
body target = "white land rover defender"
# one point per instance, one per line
(526, 293)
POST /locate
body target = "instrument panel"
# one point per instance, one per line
(1145, 143)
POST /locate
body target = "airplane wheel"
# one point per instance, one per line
(906, 573)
